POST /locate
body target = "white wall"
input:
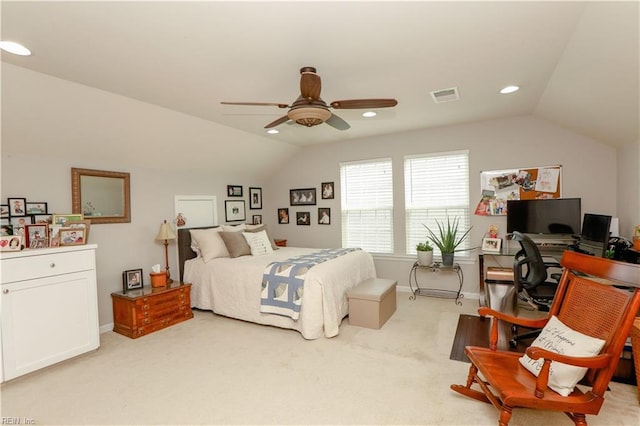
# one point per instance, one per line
(629, 188)
(588, 171)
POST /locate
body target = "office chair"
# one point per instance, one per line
(530, 278)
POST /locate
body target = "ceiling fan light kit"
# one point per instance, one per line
(310, 110)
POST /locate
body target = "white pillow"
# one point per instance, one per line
(557, 337)
(258, 242)
(208, 243)
(234, 228)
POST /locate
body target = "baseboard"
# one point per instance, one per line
(105, 328)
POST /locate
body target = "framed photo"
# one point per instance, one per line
(302, 197)
(327, 190)
(62, 219)
(4, 211)
(491, 244)
(72, 236)
(41, 218)
(6, 229)
(17, 206)
(234, 190)
(255, 198)
(11, 243)
(19, 223)
(36, 235)
(324, 216)
(303, 218)
(132, 280)
(283, 216)
(257, 219)
(84, 224)
(234, 210)
(37, 208)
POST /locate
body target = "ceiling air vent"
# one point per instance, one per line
(445, 95)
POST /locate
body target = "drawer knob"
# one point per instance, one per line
(5, 291)
(52, 265)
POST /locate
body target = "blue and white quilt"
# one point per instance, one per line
(283, 282)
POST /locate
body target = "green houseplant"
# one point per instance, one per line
(447, 238)
(425, 253)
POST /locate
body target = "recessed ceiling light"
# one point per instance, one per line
(15, 48)
(509, 89)
(273, 131)
(369, 114)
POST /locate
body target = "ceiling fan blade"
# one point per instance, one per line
(256, 104)
(277, 122)
(364, 103)
(337, 122)
(310, 85)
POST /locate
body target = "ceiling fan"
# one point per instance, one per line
(310, 110)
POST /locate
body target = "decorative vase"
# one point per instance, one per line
(447, 259)
(425, 258)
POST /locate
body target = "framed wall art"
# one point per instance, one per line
(36, 208)
(234, 210)
(234, 190)
(303, 218)
(302, 197)
(257, 219)
(17, 206)
(132, 280)
(327, 190)
(283, 216)
(324, 216)
(255, 198)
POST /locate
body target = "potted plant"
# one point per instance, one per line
(447, 238)
(425, 254)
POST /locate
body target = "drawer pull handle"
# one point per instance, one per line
(52, 265)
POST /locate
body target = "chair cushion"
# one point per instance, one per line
(557, 337)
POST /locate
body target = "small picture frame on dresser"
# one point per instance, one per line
(132, 280)
(491, 245)
(11, 243)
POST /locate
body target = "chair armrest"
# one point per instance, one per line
(523, 322)
(598, 361)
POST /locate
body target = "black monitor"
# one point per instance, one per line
(556, 216)
(594, 237)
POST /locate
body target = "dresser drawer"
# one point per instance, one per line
(38, 266)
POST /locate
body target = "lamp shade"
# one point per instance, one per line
(165, 233)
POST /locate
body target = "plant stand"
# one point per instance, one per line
(416, 290)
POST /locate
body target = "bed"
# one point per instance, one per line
(231, 286)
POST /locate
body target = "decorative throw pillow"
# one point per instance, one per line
(263, 227)
(557, 337)
(234, 228)
(258, 242)
(236, 244)
(208, 244)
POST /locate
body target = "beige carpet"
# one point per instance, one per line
(214, 370)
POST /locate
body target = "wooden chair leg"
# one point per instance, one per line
(467, 391)
(578, 419)
(505, 415)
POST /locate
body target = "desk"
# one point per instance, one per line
(551, 258)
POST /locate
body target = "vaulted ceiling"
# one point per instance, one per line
(576, 62)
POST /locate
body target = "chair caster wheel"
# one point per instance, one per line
(513, 344)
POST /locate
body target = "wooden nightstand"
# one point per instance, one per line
(280, 243)
(140, 312)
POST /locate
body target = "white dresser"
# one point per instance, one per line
(48, 307)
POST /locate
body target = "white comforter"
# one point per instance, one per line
(231, 287)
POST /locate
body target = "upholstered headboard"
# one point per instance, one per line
(184, 247)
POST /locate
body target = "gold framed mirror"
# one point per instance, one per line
(101, 196)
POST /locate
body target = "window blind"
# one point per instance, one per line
(436, 187)
(367, 205)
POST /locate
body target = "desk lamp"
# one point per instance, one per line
(166, 234)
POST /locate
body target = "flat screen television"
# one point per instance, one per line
(547, 216)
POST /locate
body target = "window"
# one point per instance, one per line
(436, 187)
(367, 205)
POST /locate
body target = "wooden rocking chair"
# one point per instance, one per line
(587, 302)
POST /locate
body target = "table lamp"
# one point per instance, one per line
(166, 234)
